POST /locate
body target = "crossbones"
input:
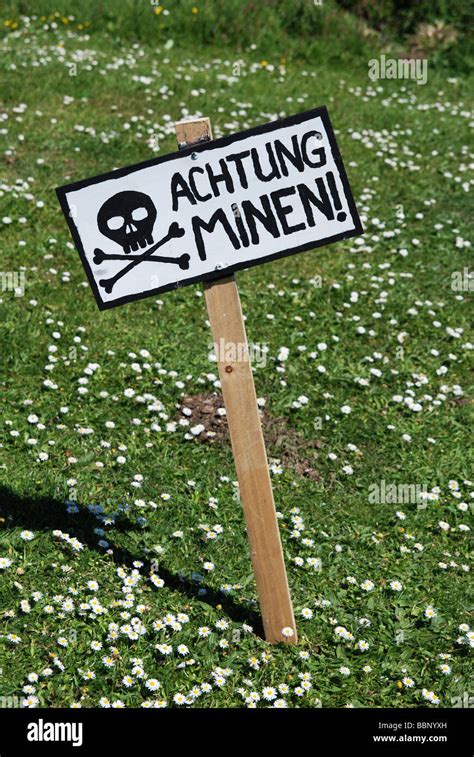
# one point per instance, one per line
(128, 218)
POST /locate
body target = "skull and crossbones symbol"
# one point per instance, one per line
(128, 219)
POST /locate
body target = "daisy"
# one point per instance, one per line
(30, 701)
(157, 581)
(430, 696)
(269, 693)
(396, 585)
(152, 684)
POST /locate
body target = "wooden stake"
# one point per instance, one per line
(248, 446)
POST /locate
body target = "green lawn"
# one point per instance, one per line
(365, 321)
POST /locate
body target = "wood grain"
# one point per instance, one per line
(248, 446)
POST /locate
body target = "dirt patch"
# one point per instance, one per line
(461, 401)
(283, 443)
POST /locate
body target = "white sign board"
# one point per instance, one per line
(211, 209)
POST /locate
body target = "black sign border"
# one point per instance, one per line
(214, 144)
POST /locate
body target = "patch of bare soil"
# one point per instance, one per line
(283, 443)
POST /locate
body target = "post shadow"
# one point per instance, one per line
(45, 514)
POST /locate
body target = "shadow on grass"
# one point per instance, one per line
(45, 514)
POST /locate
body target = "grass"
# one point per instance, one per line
(406, 152)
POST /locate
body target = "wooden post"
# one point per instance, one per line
(248, 446)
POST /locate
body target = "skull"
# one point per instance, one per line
(128, 218)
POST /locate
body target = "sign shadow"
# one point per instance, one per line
(45, 514)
